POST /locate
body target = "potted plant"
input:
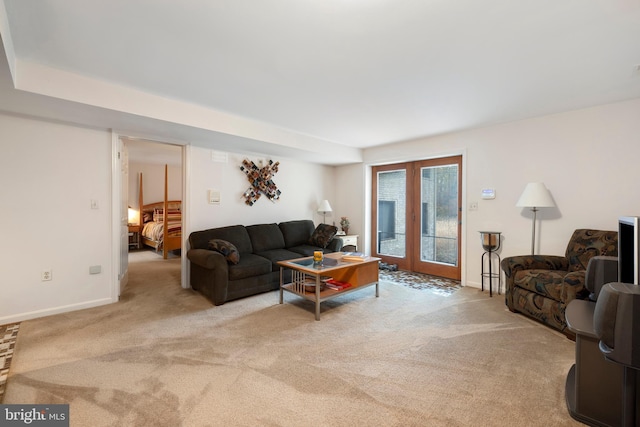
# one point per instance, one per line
(344, 224)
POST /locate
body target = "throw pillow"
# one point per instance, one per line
(322, 235)
(147, 217)
(227, 249)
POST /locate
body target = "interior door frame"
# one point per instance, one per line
(119, 281)
(116, 206)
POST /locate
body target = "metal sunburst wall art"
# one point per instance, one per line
(261, 180)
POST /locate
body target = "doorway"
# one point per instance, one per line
(416, 215)
(155, 172)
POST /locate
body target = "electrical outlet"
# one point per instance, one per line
(473, 206)
(47, 275)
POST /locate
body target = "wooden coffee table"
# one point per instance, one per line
(306, 275)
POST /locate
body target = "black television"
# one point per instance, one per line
(628, 250)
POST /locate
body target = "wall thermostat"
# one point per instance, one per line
(488, 193)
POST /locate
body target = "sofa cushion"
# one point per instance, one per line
(308, 250)
(586, 243)
(265, 237)
(227, 249)
(546, 310)
(250, 265)
(275, 255)
(574, 286)
(296, 233)
(235, 234)
(322, 235)
(547, 283)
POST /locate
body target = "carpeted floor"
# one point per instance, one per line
(165, 356)
(419, 281)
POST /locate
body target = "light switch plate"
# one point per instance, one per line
(214, 197)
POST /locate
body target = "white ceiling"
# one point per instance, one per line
(339, 73)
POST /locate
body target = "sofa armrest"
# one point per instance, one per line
(335, 245)
(206, 258)
(209, 274)
(511, 265)
(573, 287)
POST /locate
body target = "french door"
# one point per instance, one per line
(416, 215)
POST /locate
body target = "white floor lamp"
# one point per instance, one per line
(323, 209)
(534, 196)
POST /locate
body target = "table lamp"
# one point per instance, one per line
(323, 209)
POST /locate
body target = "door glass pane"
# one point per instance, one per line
(391, 225)
(439, 214)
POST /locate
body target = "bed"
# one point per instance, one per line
(161, 221)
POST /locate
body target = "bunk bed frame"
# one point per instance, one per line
(170, 241)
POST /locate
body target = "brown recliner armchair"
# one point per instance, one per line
(541, 286)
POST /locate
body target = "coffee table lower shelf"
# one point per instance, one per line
(325, 294)
(304, 276)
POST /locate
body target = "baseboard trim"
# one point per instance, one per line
(55, 310)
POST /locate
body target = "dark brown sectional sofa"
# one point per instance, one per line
(257, 249)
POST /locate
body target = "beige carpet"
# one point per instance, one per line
(164, 356)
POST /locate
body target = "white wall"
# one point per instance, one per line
(588, 159)
(303, 187)
(153, 181)
(50, 173)
(350, 200)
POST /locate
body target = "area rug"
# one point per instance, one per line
(420, 281)
(8, 335)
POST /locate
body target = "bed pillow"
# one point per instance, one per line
(227, 249)
(322, 235)
(147, 216)
(173, 215)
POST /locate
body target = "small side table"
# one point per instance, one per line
(491, 243)
(134, 236)
(349, 240)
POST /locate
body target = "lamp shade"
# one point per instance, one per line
(535, 195)
(324, 207)
(132, 215)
